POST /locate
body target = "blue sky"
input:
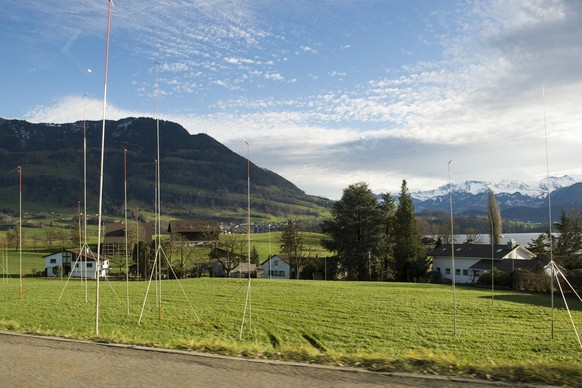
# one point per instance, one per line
(328, 92)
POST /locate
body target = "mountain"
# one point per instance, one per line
(518, 201)
(200, 177)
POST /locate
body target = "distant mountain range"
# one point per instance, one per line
(200, 177)
(518, 201)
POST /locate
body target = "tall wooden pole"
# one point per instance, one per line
(159, 204)
(126, 226)
(20, 228)
(137, 243)
(85, 246)
(454, 273)
(98, 264)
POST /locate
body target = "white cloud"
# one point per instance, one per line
(307, 49)
(478, 101)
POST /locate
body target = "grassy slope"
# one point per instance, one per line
(311, 244)
(380, 326)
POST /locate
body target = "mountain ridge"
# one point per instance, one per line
(200, 177)
(518, 201)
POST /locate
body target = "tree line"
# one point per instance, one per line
(375, 239)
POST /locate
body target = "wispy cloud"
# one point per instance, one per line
(477, 101)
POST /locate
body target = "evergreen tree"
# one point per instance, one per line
(384, 269)
(409, 253)
(568, 246)
(494, 217)
(540, 246)
(355, 230)
(254, 255)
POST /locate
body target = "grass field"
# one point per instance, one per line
(32, 262)
(379, 326)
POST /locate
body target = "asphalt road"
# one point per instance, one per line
(32, 361)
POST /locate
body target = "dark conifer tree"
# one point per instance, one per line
(355, 230)
(409, 253)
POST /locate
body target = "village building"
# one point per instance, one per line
(237, 263)
(277, 267)
(194, 232)
(76, 265)
(114, 242)
(473, 260)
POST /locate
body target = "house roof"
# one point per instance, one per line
(477, 251)
(90, 256)
(244, 267)
(115, 232)
(193, 226)
(281, 256)
(507, 265)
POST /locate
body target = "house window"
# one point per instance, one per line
(53, 261)
(457, 272)
(465, 272)
(276, 263)
(89, 265)
(448, 271)
(438, 270)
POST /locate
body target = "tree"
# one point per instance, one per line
(254, 255)
(494, 216)
(62, 237)
(384, 268)
(292, 245)
(444, 235)
(181, 251)
(50, 233)
(228, 252)
(540, 246)
(199, 260)
(472, 235)
(143, 258)
(13, 237)
(409, 253)
(569, 242)
(75, 236)
(355, 230)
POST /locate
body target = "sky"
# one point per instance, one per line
(327, 93)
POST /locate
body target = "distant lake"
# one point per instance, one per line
(520, 238)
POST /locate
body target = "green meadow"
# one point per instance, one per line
(378, 326)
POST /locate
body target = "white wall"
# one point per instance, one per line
(52, 261)
(281, 269)
(81, 269)
(462, 265)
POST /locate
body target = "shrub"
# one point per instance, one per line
(501, 279)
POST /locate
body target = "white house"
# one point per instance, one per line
(76, 265)
(472, 260)
(277, 267)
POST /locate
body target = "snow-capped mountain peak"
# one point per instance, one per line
(556, 182)
(503, 187)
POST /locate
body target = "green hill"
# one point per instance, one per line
(200, 177)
